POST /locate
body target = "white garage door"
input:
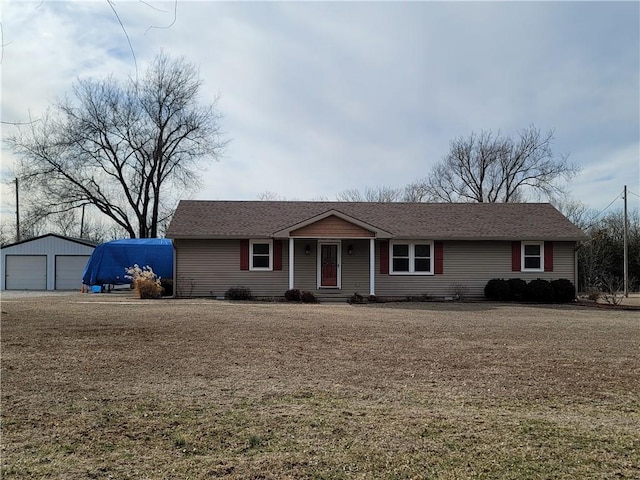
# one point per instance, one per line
(26, 272)
(69, 270)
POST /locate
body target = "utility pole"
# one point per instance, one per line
(626, 247)
(17, 213)
(82, 222)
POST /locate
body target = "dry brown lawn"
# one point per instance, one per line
(107, 386)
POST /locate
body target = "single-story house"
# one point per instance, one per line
(48, 262)
(336, 249)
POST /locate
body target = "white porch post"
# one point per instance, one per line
(372, 266)
(291, 247)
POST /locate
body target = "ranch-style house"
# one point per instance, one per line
(337, 249)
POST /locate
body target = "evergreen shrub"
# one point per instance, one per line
(308, 297)
(563, 291)
(539, 291)
(238, 293)
(497, 289)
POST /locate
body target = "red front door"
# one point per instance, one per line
(328, 265)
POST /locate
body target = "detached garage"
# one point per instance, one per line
(49, 262)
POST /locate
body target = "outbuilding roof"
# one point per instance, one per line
(81, 241)
(439, 221)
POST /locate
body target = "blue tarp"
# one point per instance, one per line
(109, 260)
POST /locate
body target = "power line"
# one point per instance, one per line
(175, 15)
(135, 61)
(595, 217)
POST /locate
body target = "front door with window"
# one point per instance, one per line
(329, 265)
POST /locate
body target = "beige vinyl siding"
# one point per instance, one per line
(305, 270)
(471, 265)
(207, 268)
(355, 268)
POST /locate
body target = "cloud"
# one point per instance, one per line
(601, 182)
(321, 97)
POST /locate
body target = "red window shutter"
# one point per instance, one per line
(548, 256)
(516, 252)
(439, 258)
(384, 257)
(277, 254)
(244, 254)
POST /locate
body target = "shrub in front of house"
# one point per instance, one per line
(147, 289)
(167, 287)
(539, 291)
(145, 282)
(355, 298)
(238, 293)
(497, 289)
(308, 297)
(563, 290)
(594, 295)
(425, 297)
(292, 295)
(459, 291)
(517, 287)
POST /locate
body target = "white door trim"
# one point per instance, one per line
(338, 244)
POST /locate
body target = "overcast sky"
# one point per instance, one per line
(322, 97)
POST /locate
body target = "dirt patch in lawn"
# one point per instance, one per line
(108, 386)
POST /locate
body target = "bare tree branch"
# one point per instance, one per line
(127, 149)
(268, 195)
(371, 194)
(492, 168)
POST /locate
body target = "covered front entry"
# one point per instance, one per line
(332, 268)
(329, 265)
(342, 250)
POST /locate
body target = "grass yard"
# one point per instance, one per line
(107, 386)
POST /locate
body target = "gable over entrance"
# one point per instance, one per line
(332, 227)
(332, 224)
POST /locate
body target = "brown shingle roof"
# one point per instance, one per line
(438, 221)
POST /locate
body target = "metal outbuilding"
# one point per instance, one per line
(48, 262)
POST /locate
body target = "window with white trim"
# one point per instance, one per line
(532, 256)
(411, 258)
(261, 255)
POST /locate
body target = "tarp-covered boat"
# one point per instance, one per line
(110, 259)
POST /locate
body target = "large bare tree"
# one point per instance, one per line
(492, 168)
(130, 149)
